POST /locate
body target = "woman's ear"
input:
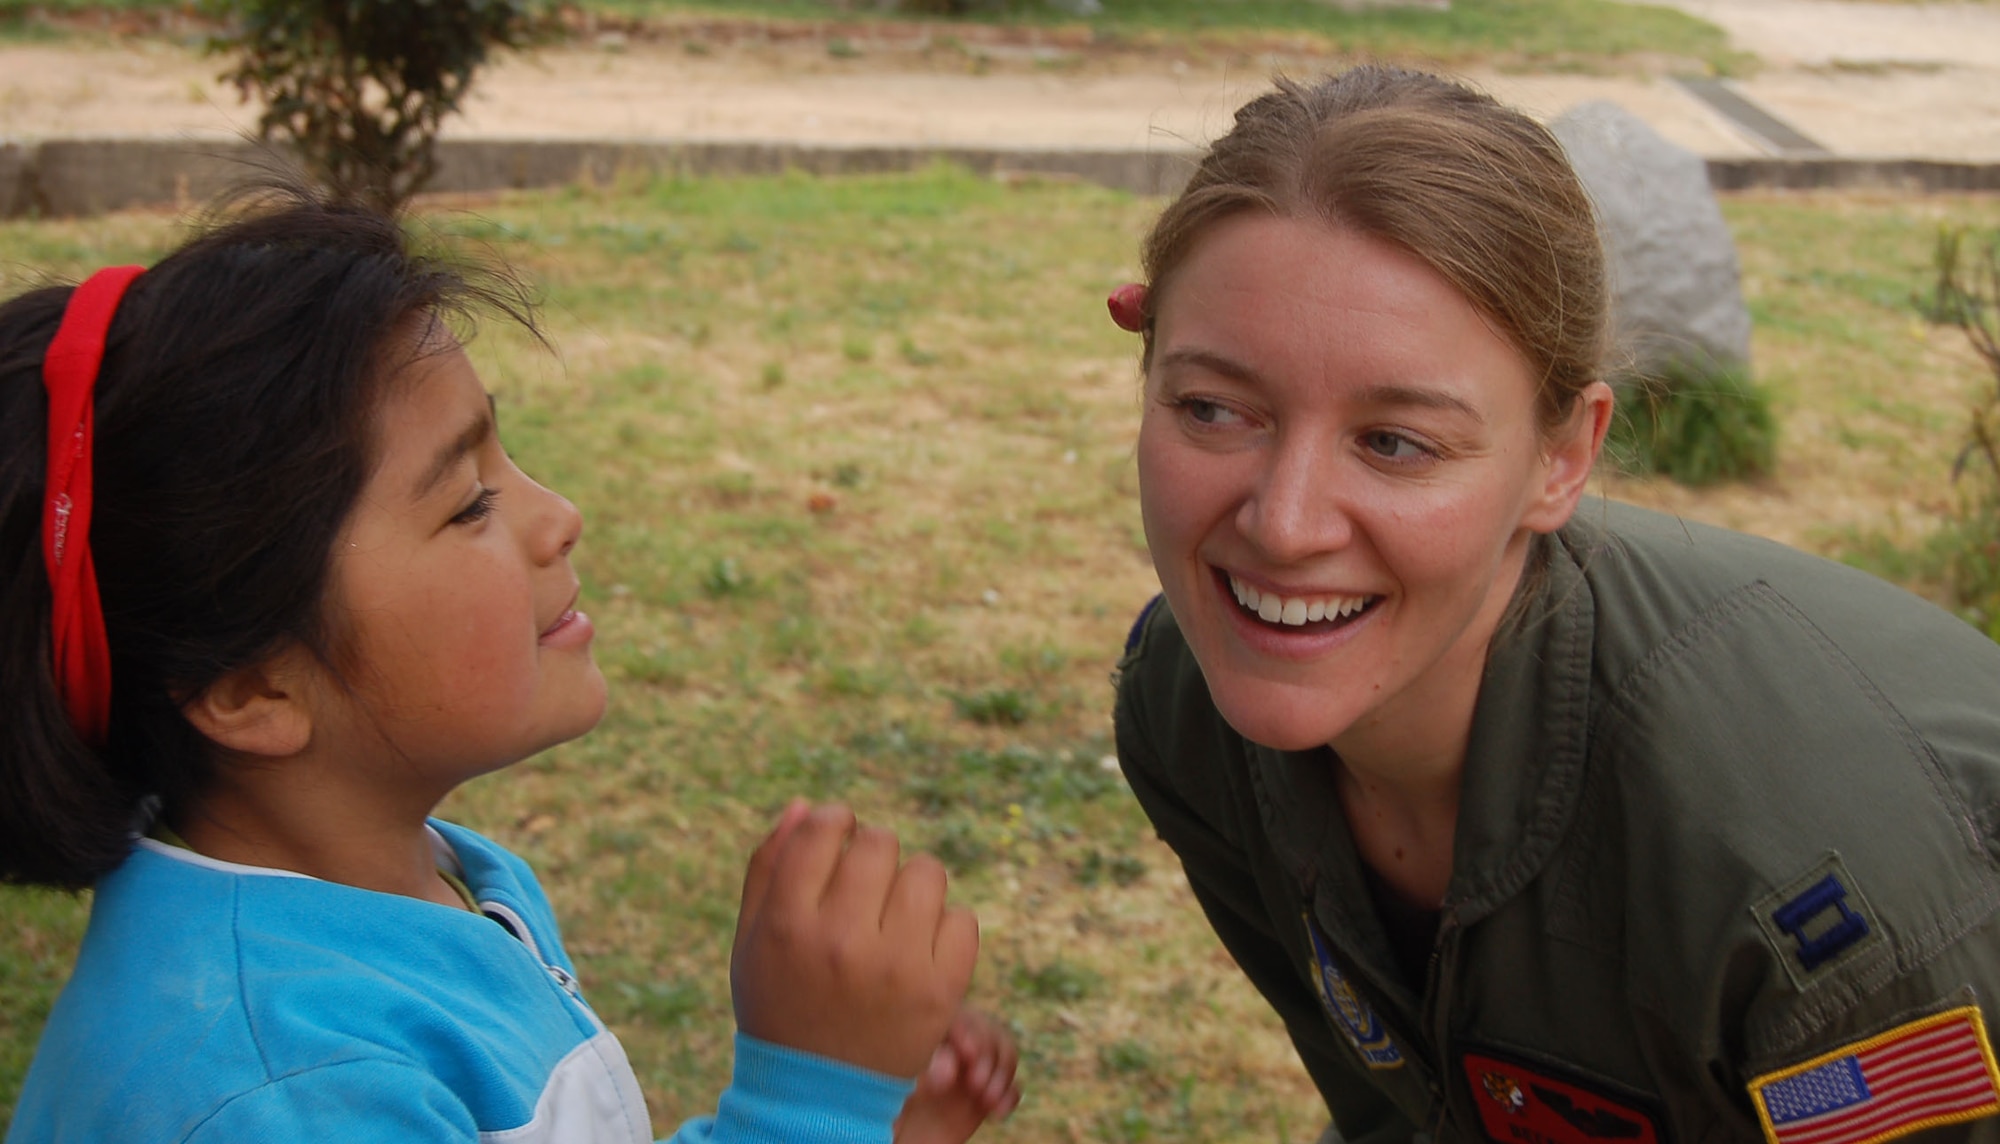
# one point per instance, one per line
(260, 710)
(1569, 455)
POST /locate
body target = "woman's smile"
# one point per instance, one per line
(1296, 609)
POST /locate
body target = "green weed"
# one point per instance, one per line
(1695, 428)
(998, 707)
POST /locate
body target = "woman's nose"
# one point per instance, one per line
(1296, 509)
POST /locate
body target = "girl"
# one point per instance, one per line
(272, 589)
(1537, 819)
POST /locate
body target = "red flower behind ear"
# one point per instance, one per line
(1128, 307)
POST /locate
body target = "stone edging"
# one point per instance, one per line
(70, 177)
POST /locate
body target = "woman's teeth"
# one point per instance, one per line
(1295, 611)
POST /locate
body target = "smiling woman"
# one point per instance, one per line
(1535, 818)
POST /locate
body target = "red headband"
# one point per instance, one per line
(76, 618)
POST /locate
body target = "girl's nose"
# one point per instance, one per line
(556, 525)
(1295, 510)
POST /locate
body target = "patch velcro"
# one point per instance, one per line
(1931, 1071)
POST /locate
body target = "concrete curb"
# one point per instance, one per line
(74, 177)
(1830, 173)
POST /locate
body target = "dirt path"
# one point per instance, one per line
(1870, 78)
(1862, 78)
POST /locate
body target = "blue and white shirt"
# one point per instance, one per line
(219, 1002)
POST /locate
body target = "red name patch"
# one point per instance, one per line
(1521, 1105)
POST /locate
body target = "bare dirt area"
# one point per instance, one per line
(1918, 80)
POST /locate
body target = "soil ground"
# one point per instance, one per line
(1882, 79)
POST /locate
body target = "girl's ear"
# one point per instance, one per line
(1570, 455)
(260, 710)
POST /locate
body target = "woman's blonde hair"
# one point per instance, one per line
(1477, 191)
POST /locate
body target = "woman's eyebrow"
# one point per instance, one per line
(1419, 396)
(1210, 361)
(468, 439)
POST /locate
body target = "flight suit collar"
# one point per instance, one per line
(1524, 763)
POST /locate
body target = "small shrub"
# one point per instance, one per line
(361, 87)
(962, 846)
(1120, 869)
(1968, 293)
(1000, 707)
(1948, 302)
(1124, 1058)
(1695, 428)
(725, 577)
(1059, 980)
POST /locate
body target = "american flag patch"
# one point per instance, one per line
(1932, 1071)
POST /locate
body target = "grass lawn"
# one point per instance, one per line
(855, 459)
(1527, 30)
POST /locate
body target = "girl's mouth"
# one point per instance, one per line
(567, 620)
(1306, 613)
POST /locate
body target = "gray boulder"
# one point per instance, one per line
(1676, 295)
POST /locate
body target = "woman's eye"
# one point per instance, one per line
(480, 508)
(1206, 412)
(1393, 446)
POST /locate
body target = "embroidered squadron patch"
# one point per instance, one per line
(1532, 1105)
(1931, 1071)
(1355, 1017)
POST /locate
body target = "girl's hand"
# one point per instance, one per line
(969, 1081)
(843, 951)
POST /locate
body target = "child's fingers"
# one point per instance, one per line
(942, 1073)
(988, 1060)
(1002, 1093)
(916, 901)
(956, 948)
(757, 875)
(976, 1073)
(859, 883)
(806, 860)
(1010, 1101)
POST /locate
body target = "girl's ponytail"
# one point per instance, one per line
(62, 810)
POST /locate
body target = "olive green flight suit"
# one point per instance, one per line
(1726, 807)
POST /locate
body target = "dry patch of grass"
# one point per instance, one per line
(855, 460)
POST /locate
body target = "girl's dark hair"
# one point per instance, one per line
(233, 434)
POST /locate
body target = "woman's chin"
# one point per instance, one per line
(1279, 722)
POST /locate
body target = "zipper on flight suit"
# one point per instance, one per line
(1436, 1013)
(1371, 993)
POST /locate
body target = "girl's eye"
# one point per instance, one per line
(480, 508)
(1394, 446)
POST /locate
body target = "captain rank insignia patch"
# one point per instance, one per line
(1932, 1071)
(1355, 1017)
